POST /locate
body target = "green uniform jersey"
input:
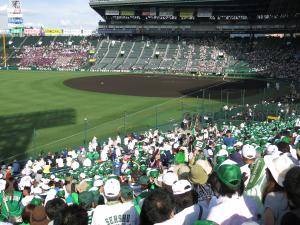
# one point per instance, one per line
(13, 203)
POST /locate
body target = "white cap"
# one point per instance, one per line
(239, 143)
(82, 175)
(97, 177)
(169, 178)
(52, 177)
(222, 152)
(280, 165)
(181, 187)
(112, 188)
(248, 152)
(98, 183)
(272, 150)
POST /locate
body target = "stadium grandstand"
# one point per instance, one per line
(180, 112)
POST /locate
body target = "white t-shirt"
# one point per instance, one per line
(75, 165)
(60, 162)
(104, 156)
(186, 217)
(26, 200)
(87, 162)
(245, 169)
(233, 211)
(119, 214)
(2, 184)
(278, 203)
(69, 161)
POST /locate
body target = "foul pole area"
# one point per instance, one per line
(4, 49)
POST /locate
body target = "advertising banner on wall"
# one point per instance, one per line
(29, 31)
(53, 31)
(166, 12)
(127, 12)
(112, 12)
(204, 12)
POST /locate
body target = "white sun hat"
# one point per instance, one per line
(280, 165)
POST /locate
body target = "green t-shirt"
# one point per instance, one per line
(13, 204)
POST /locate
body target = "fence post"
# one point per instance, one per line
(203, 95)
(181, 106)
(85, 130)
(156, 117)
(221, 96)
(227, 97)
(124, 123)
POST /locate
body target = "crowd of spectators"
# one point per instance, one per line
(55, 55)
(195, 174)
(270, 57)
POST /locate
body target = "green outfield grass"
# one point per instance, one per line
(38, 113)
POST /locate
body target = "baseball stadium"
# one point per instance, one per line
(169, 112)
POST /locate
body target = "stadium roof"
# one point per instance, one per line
(148, 2)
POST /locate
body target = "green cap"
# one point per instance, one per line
(179, 158)
(285, 139)
(144, 180)
(143, 168)
(230, 175)
(60, 193)
(86, 197)
(126, 191)
(220, 159)
(154, 173)
(36, 201)
(204, 222)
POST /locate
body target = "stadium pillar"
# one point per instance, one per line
(4, 49)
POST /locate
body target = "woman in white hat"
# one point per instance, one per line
(274, 197)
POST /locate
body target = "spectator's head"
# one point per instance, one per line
(126, 193)
(277, 167)
(157, 207)
(39, 216)
(283, 147)
(168, 180)
(184, 195)
(26, 191)
(292, 187)
(228, 133)
(229, 179)
(198, 176)
(26, 214)
(112, 189)
(86, 199)
(11, 185)
(249, 154)
(54, 207)
(72, 215)
(143, 181)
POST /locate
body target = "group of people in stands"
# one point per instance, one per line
(247, 174)
(267, 56)
(55, 55)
